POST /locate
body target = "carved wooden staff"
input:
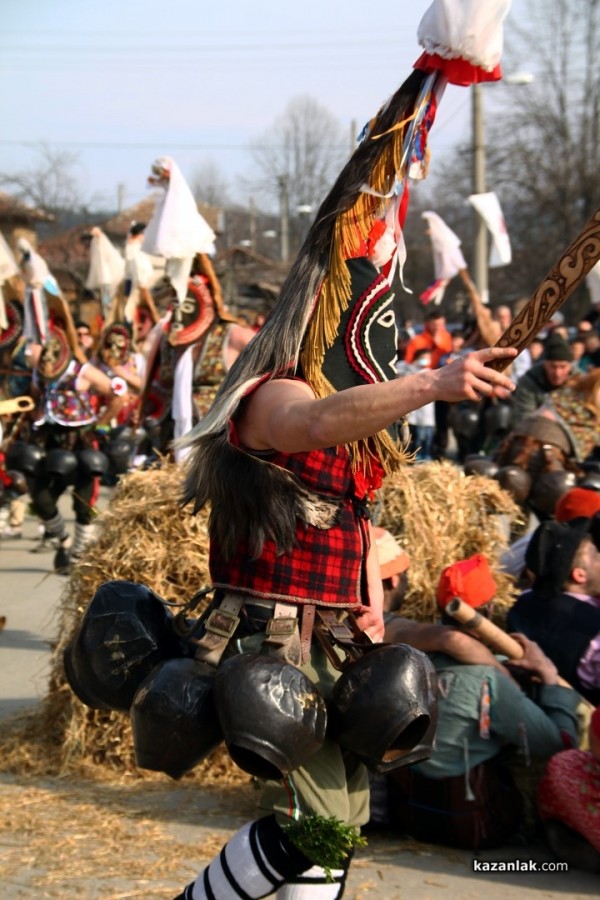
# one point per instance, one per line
(556, 288)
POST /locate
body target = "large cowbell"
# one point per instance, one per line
(384, 707)
(125, 631)
(173, 717)
(272, 715)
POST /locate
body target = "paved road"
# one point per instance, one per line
(387, 869)
(29, 595)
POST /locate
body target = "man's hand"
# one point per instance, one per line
(469, 378)
(370, 620)
(534, 661)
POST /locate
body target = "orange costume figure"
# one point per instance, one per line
(435, 337)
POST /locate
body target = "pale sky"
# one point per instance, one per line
(121, 82)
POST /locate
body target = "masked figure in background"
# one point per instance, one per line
(298, 438)
(198, 339)
(41, 288)
(16, 389)
(75, 398)
(140, 310)
(116, 358)
(106, 272)
(190, 357)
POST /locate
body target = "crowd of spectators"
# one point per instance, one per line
(549, 372)
(516, 757)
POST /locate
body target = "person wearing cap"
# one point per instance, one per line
(562, 610)
(542, 378)
(569, 802)
(577, 503)
(393, 565)
(466, 793)
(581, 500)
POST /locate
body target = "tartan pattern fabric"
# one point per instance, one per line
(327, 565)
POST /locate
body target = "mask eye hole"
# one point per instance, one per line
(387, 319)
(187, 307)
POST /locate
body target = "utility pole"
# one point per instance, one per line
(284, 215)
(252, 210)
(352, 136)
(120, 197)
(480, 256)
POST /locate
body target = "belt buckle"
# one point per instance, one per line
(282, 626)
(222, 622)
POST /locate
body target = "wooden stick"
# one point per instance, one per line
(16, 405)
(556, 288)
(485, 630)
(496, 639)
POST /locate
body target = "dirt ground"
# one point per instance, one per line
(84, 840)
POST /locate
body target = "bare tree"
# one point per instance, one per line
(209, 185)
(306, 148)
(542, 145)
(51, 185)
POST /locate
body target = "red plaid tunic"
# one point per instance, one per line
(327, 567)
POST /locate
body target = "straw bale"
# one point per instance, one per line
(437, 513)
(143, 536)
(440, 515)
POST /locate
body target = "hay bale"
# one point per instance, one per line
(143, 536)
(435, 511)
(440, 515)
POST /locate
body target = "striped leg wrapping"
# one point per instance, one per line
(313, 885)
(254, 863)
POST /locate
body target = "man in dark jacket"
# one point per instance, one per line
(542, 378)
(562, 611)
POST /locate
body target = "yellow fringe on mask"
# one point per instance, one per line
(350, 233)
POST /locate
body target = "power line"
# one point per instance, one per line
(148, 145)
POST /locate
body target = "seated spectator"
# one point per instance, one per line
(577, 502)
(536, 349)
(542, 378)
(393, 565)
(576, 407)
(591, 357)
(562, 610)
(466, 794)
(569, 803)
(577, 346)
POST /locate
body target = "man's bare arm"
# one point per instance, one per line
(441, 639)
(285, 415)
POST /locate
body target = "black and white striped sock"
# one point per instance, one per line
(313, 885)
(256, 861)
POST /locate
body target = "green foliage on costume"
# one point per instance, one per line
(326, 842)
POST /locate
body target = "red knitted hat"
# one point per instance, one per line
(470, 580)
(576, 503)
